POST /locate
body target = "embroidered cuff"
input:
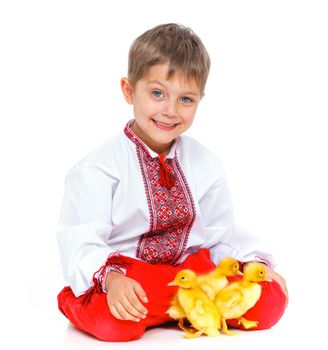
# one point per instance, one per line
(115, 262)
(102, 276)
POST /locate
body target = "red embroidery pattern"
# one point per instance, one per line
(172, 211)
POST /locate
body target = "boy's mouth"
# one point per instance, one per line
(164, 126)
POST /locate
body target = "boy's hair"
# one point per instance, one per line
(169, 43)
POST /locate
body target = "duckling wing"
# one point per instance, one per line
(229, 298)
(199, 306)
(199, 316)
(196, 316)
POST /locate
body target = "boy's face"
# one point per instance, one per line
(163, 109)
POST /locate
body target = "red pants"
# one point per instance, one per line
(95, 317)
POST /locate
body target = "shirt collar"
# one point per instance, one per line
(149, 152)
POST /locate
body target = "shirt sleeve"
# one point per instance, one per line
(224, 237)
(85, 225)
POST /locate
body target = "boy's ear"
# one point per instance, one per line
(127, 90)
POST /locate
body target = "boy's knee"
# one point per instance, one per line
(269, 308)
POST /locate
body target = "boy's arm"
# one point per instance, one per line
(85, 224)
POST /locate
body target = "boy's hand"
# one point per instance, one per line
(125, 297)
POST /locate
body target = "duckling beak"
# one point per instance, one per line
(240, 273)
(173, 283)
(268, 280)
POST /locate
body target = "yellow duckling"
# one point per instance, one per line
(196, 305)
(238, 297)
(213, 282)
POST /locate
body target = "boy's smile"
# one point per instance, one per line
(163, 108)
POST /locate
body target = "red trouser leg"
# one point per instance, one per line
(95, 317)
(269, 308)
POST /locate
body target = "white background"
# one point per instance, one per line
(264, 114)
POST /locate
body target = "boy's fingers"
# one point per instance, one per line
(125, 314)
(121, 311)
(114, 312)
(140, 293)
(138, 309)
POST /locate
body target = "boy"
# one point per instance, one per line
(151, 202)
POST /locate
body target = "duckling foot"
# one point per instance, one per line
(190, 335)
(227, 332)
(182, 326)
(225, 329)
(247, 323)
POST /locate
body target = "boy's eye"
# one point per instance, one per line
(186, 99)
(157, 93)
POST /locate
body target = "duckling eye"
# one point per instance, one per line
(261, 272)
(183, 277)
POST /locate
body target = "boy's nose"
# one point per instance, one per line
(170, 109)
